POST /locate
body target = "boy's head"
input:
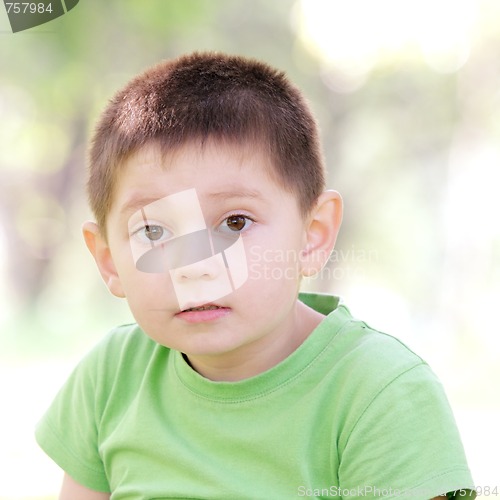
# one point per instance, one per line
(206, 181)
(192, 99)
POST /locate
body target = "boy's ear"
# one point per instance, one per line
(322, 230)
(99, 248)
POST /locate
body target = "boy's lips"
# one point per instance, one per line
(203, 307)
(203, 313)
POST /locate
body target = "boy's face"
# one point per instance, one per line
(171, 235)
(206, 248)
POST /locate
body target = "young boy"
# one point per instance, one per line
(207, 184)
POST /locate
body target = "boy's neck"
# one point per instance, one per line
(259, 356)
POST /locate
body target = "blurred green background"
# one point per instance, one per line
(407, 94)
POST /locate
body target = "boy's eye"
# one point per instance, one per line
(236, 223)
(152, 233)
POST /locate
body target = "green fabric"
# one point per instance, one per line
(351, 413)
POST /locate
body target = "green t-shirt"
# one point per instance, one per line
(351, 413)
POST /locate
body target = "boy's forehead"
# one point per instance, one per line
(231, 172)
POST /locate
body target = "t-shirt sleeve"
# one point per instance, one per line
(405, 443)
(68, 432)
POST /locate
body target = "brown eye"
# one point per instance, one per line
(153, 233)
(236, 222)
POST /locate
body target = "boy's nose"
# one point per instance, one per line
(201, 282)
(204, 270)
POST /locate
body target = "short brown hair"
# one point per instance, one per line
(205, 96)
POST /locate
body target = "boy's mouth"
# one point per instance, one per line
(207, 307)
(204, 313)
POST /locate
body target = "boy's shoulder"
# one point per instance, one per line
(362, 357)
(124, 352)
(124, 338)
(356, 339)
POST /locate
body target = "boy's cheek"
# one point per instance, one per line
(149, 291)
(266, 272)
(267, 264)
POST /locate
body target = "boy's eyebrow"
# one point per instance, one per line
(135, 203)
(236, 193)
